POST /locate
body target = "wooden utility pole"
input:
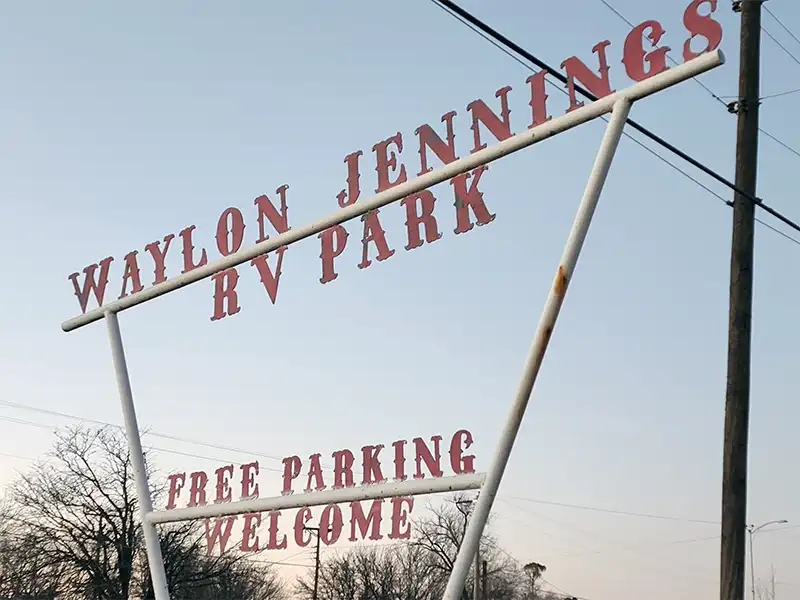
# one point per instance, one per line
(316, 562)
(737, 397)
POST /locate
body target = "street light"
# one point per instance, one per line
(752, 530)
(476, 584)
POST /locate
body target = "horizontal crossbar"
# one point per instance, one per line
(413, 487)
(516, 142)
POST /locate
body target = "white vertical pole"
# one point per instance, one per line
(152, 543)
(569, 258)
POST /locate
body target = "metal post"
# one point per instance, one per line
(544, 330)
(752, 530)
(737, 395)
(752, 564)
(316, 569)
(484, 582)
(476, 584)
(151, 541)
(316, 562)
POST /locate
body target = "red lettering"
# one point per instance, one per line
(639, 64)
(333, 241)
(176, 482)
(432, 460)
(226, 300)
(413, 220)
(501, 130)
(400, 518)
(539, 97)
(217, 535)
(224, 492)
(599, 85)
(701, 25)
(267, 210)
(343, 469)
(188, 251)
(251, 522)
(301, 537)
(249, 487)
(461, 441)
(159, 256)
(353, 175)
(131, 274)
(291, 470)
(272, 542)
(470, 198)
(386, 160)
(330, 524)
(399, 460)
(373, 232)
(197, 489)
(315, 473)
(230, 231)
(363, 523)
(371, 464)
(268, 279)
(90, 286)
(428, 138)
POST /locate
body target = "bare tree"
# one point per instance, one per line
(533, 581)
(766, 590)
(419, 569)
(194, 575)
(400, 572)
(79, 510)
(441, 533)
(26, 573)
(71, 531)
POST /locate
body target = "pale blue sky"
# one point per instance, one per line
(121, 124)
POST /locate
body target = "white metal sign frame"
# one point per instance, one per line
(619, 105)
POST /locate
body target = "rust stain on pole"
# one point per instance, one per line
(561, 281)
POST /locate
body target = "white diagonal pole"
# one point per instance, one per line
(151, 541)
(580, 227)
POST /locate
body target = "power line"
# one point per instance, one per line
(785, 28)
(784, 144)
(219, 460)
(156, 434)
(768, 97)
(781, 46)
(516, 58)
(674, 62)
(705, 87)
(286, 562)
(614, 512)
(554, 586)
(507, 46)
(16, 456)
(64, 415)
(787, 93)
(105, 424)
(778, 231)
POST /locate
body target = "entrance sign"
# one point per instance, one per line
(423, 223)
(416, 460)
(619, 105)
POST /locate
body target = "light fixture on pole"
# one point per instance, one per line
(752, 530)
